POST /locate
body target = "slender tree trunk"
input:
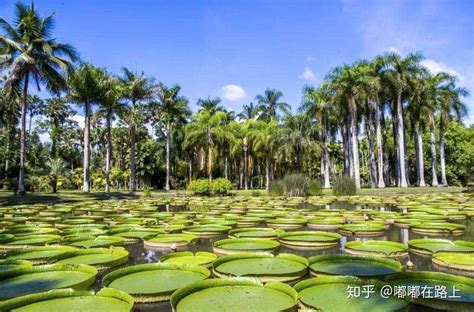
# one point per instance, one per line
(226, 166)
(209, 157)
(378, 133)
(245, 166)
(354, 142)
(168, 134)
(24, 105)
(434, 165)
(133, 182)
(267, 173)
(370, 136)
(190, 167)
(442, 158)
(386, 163)
(86, 187)
(401, 142)
(324, 157)
(54, 185)
(108, 156)
(419, 156)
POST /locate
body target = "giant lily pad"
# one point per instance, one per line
(437, 228)
(233, 295)
(153, 282)
(325, 223)
(9, 265)
(427, 246)
(101, 258)
(106, 300)
(207, 230)
(28, 280)
(455, 262)
(286, 223)
(38, 255)
(243, 245)
(32, 240)
(458, 290)
(170, 240)
(332, 294)
(263, 266)
(87, 241)
(309, 239)
(186, 257)
(268, 233)
(353, 265)
(377, 248)
(362, 229)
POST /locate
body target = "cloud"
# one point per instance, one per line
(310, 59)
(233, 93)
(394, 50)
(436, 67)
(307, 75)
(79, 119)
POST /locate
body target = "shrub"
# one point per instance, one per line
(343, 185)
(200, 187)
(147, 191)
(314, 189)
(256, 193)
(275, 188)
(294, 185)
(220, 186)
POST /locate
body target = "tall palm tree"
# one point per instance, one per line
(56, 167)
(139, 90)
(110, 94)
(263, 136)
(269, 104)
(29, 52)
(171, 109)
(83, 90)
(249, 111)
(210, 105)
(57, 110)
(398, 72)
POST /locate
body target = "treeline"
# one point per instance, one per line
(384, 122)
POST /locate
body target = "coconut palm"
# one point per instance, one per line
(56, 167)
(30, 53)
(83, 90)
(171, 109)
(263, 136)
(210, 105)
(139, 90)
(269, 104)
(249, 111)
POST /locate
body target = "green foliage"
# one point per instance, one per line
(200, 187)
(256, 193)
(147, 191)
(295, 185)
(275, 188)
(343, 185)
(220, 186)
(314, 189)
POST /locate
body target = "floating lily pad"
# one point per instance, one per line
(233, 295)
(286, 223)
(353, 265)
(186, 257)
(153, 282)
(28, 280)
(330, 294)
(87, 241)
(263, 266)
(135, 234)
(9, 265)
(325, 223)
(242, 245)
(377, 248)
(459, 290)
(435, 228)
(268, 233)
(428, 246)
(101, 258)
(309, 239)
(38, 255)
(207, 230)
(362, 230)
(60, 300)
(32, 240)
(455, 262)
(170, 240)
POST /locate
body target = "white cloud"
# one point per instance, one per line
(79, 119)
(394, 50)
(436, 67)
(310, 59)
(307, 75)
(233, 93)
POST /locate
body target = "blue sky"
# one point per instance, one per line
(236, 49)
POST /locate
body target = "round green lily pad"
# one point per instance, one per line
(207, 230)
(186, 257)
(362, 230)
(242, 245)
(459, 289)
(377, 248)
(427, 246)
(262, 266)
(268, 233)
(325, 223)
(437, 228)
(170, 240)
(28, 280)
(353, 265)
(153, 282)
(234, 295)
(455, 262)
(38, 255)
(106, 300)
(286, 223)
(87, 241)
(332, 294)
(309, 239)
(32, 240)
(10, 265)
(101, 258)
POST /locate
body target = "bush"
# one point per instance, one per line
(294, 185)
(275, 188)
(314, 189)
(147, 191)
(343, 185)
(200, 187)
(256, 193)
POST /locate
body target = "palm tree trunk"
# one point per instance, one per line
(354, 141)
(378, 134)
(419, 156)
(245, 167)
(434, 165)
(324, 157)
(168, 134)
(209, 156)
(386, 163)
(401, 142)
(190, 165)
(442, 158)
(24, 104)
(370, 137)
(267, 173)
(133, 183)
(108, 155)
(226, 167)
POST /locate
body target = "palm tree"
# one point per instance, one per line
(263, 137)
(57, 110)
(35, 106)
(29, 52)
(56, 167)
(110, 94)
(171, 110)
(269, 103)
(398, 72)
(83, 90)
(139, 89)
(210, 105)
(249, 111)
